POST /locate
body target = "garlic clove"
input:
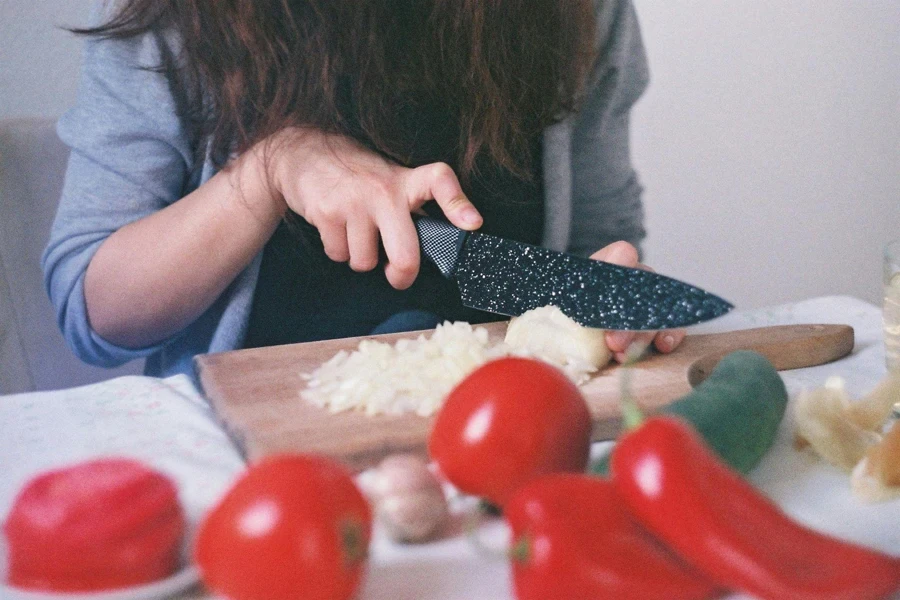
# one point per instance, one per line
(401, 474)
(415, 517)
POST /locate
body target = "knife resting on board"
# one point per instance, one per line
(256, 392)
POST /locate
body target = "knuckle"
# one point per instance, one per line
(335, 249)
(624, 253)
(362, 264)
(382, 189)
(406, 264)
(441, 170)
(443, 175)
(328, 212)
(456, 202)
(378, 187)
(336, 255)
(336, 252)
(399, 281)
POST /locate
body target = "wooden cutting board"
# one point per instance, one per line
(255, 392)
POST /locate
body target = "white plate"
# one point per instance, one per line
(183, 579)
(166, 588)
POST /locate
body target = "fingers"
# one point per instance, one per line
(334, 241)
(619, 253)
(620, 350)
(666, 341)
(379, 204)
(362, 241)
(437, 181)
(626, 255)
(401, 244)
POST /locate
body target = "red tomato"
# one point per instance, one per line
(508, 422)
(98, 525)
(293, 527)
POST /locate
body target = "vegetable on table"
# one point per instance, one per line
(677, 488)
(849, 434)
(877, 476)
(415, 375)
(873, 410)
(98, 525)
(409, 500)
(410, 376)
(737, 410)
(508, 422)
(547, 333)
(822, 420)
(573, 539)
(292, 526)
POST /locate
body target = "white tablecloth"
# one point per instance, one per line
(166, 423)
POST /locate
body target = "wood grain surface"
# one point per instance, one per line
(255, 392)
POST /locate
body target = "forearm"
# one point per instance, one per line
(155, 276)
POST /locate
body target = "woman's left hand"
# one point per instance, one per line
(626, 255)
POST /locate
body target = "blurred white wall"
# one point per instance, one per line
(38, 60)
(768, 143)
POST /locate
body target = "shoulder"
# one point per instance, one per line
(620, 73)
(129, 90)
(618, 35)
(145, 51)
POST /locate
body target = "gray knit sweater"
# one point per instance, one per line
(131, 156)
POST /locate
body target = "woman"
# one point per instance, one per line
(240, 170)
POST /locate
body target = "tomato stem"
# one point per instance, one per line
(353, 541)
(521, 551)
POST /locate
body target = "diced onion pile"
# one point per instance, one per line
(415, 375)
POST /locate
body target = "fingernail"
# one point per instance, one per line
(470, 216)
(619, 339)
(667, 343)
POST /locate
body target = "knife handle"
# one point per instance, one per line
(441, 242)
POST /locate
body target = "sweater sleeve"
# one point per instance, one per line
(129, 157)
(606, 193)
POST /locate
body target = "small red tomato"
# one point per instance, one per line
(508, 422)
(293, 527)
(99, 525)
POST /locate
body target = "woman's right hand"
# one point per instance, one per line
(154, 276)
(354, 196)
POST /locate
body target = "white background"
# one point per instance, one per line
(768, 143)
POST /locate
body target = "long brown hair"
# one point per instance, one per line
(504, 69)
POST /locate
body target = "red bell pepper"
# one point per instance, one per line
(680, 491)
(573, 539)
(98, 525)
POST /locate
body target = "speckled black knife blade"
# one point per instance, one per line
(509, 278)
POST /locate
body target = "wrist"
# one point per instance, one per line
(250, 178)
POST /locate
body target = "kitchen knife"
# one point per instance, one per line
(509, 278)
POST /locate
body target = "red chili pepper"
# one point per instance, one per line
(719, 523)
(573, 539)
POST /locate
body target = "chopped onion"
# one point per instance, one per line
(415, 375)
(548, 334)
(411, 376)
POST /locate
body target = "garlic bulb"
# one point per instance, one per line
(408, 499)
